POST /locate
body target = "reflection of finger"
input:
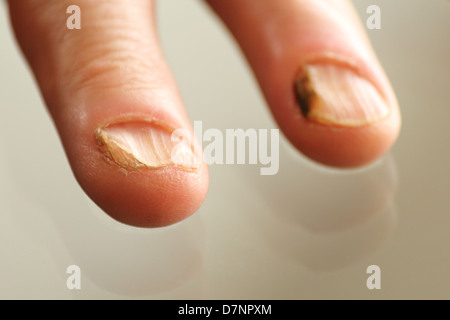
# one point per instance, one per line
(319, 74)
(288, 226)
(133, 257)
(115, 105)
(330, 201)
(325, 252)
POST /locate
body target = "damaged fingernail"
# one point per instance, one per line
(334, 94)
(145, 144)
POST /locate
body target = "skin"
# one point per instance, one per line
(113, 69)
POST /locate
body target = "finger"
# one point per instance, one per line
(115, 106)
(318, 72)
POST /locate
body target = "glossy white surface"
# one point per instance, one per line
(306, 232)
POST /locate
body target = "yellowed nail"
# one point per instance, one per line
(145, 144)
(334, 94)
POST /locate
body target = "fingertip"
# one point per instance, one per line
(346, 147)
(115, 104)
(146, 199)
(350, 119)
(140, 196)
(320, 77)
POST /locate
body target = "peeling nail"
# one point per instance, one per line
(144, 144)
(333, 94)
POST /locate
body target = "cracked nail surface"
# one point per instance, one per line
(333, 94)
(144, 144)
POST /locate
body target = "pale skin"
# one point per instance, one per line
(113, 70)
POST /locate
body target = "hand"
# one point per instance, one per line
(115, 103)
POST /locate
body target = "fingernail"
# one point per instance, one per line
(333, 94)
(143, 144)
